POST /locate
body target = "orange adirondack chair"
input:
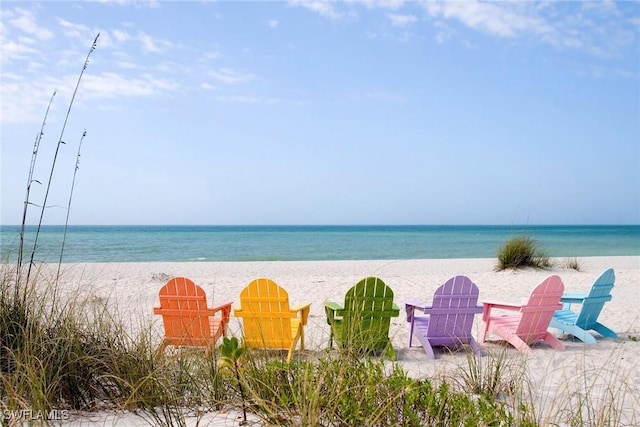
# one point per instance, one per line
(530, 321)
(188, 322)
(268, 321)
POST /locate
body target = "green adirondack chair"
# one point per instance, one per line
(361, 326)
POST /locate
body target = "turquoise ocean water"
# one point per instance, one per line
(268, 243)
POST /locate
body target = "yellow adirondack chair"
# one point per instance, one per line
(187, 319)
(268, 321)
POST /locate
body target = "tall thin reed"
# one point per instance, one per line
(55, 156)
(66, 221)
(30, 180)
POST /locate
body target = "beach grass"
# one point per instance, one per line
(572, 264)
(522, 251)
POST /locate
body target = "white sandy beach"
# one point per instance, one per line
(133, 287)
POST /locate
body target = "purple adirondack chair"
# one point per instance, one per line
(448, 320)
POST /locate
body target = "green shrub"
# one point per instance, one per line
(347, 391)
(521, 252)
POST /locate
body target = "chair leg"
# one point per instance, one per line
(604, 331)
(428, 349)
(577, 332)
(483, 332)
(554, 342)
(474, 346)
(292, 348)
(411, 333)
(519, 344)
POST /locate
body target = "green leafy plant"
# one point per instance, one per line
(231, 352)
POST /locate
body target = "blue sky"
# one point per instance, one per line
(324, 112)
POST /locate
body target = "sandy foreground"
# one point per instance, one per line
(611, 367)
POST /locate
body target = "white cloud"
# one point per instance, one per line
(11, 50)
(401, 20)
(138, 3)
(24, 100)
(209, 56)
(228, 76)
(598, 28)
(246, 99)
(26, 22)
(506, 19)
(126, 65)
(73, 30)
(273, 23)
(148, 43)
(153, 45)
(383, 4)
(111, 85)
(322, 7)
(121, 36)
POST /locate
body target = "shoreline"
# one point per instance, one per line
(310, 243)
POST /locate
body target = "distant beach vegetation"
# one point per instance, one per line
(522, 251)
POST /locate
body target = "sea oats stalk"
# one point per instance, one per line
(55, 156)
(66, 221)
(30, 180)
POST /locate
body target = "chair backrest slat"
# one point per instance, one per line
(599, 294)
(536, 314)
(266, 314)
(454, 307)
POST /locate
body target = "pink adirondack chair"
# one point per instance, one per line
(187, 319)
(449, 318)
(530, 321)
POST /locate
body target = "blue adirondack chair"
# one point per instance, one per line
(578, 324)
(448, 320)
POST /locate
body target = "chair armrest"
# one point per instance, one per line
(224, 306)
(501, 305)
(395, 309)
(332, 306)
(331, 309)
(157, 310)
(573, 297)
(303, 308)
(410, 308)
(488, 305)
(421, 305)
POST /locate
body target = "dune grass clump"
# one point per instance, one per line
(521, 252)
(572, 264)
(76, 353)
